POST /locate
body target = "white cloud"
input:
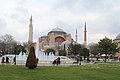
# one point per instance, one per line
(101, 17)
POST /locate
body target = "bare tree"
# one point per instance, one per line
(7, 44)
(25, 44)
(93, 49)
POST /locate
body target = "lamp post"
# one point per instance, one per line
(0, 53)
(15, 59)
(57, 44)
(15, 56)
(79, 58)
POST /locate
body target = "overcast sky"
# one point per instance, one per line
(102, 18)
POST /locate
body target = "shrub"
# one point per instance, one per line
(62, 53)
(50, 50)
(31, 62)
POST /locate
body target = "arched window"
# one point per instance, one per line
(59, 39)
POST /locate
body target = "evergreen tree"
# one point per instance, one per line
(106, 46)
(85, 53)
(19, 48)
(62, 53)
(50, 50)
(74, 49)
(70, 49)
(31, 62)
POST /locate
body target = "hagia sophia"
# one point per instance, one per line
(57, 39)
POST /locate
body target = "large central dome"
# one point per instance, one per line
(57, 31)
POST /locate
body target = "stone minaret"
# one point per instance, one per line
(30, 40)
(76, 36)
(85, 36)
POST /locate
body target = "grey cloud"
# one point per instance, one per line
(108, 20)
(86, 6)
(68, 26)
(21, 9)
(14, 16)
(113, 21)
(2, 23)
(106, 24)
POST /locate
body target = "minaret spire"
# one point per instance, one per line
(30, 40)
(31, 18)
(76, 35)
(85, 35)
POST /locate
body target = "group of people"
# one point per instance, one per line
(56, 61)
(3, 60)
(6, 60)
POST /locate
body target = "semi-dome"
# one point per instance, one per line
(66, 43)
(118, 37)
(57, 31)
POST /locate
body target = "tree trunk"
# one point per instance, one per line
(105, 57)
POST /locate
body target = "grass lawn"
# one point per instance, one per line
(99, 71)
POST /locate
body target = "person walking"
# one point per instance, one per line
(3, 60)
